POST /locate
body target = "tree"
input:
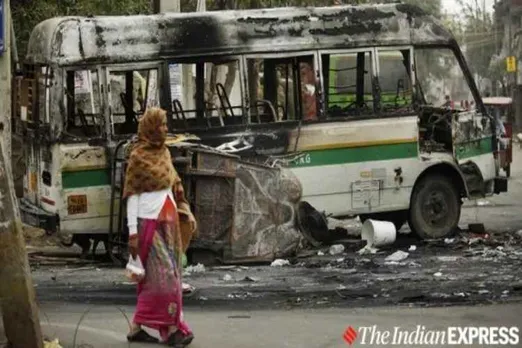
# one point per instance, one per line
(28, 13)
(477, 35)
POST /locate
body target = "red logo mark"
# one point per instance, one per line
(350, 335)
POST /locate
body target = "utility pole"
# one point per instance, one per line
(5, 76)
(17, 298)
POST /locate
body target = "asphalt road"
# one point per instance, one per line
(105, 326)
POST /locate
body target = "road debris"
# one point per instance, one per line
(438, 274)
(412, 248)
(397, 256)
(199, 268)
(52, 344)
(378, 233)
(336, 249)
(280, 263)
(482, 203)
(227, 278)
(367, 249)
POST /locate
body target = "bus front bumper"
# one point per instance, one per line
(35, 216)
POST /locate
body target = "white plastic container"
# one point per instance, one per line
(378, 233)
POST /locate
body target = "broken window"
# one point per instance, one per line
(31, 95)
(131, 92)
(282, 89)
(395, 80)
(440, 79)
(348, 83)
(83, 103)
(206, 94)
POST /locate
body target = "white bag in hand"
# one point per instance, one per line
(135, 270)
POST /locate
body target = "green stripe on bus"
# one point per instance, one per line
(356, 154)
(85, 178)
(474, 148)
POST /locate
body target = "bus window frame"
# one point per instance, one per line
(319, 84)
(374, 73)
(413, 78)
(216, 60)
(157, 64)
(101, 92)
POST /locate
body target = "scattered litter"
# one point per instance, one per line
(460, 294)
(239, 295)
(341, 287)
(320, 253)
(203, 298)
(378, 233)
(449, 240)
(199, 268)
(187, 288)
(52, 344)
(350, 226)
(482, 203)
(336, 249)
(412, 248)
(505, 292)
(367, 250)
(438, 274)
(447, 258)
(340, 260)
(227, 277)
(251, 279)
(483, 292)
(397, 256)
(280, 263)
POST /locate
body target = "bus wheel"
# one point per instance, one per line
(435, 207)
(398, 218)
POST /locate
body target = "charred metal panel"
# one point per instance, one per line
(214, 208)
(264, 221)
(75, 40)
(244, 211)
(82, 157)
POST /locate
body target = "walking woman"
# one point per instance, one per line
(161, 226)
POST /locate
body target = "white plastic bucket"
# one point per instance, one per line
(378, 233)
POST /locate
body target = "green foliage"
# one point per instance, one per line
(28, 14)
(477, 34)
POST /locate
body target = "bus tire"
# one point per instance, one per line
(435, 207)
(398, 218)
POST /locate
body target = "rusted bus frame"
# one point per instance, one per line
(166, 95)
(272, 55)
(106, 69)
(101, 95)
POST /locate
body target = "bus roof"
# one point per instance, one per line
(120, 39)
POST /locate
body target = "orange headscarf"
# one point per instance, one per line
(150, 166)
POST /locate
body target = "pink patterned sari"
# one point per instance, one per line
(160, 293)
